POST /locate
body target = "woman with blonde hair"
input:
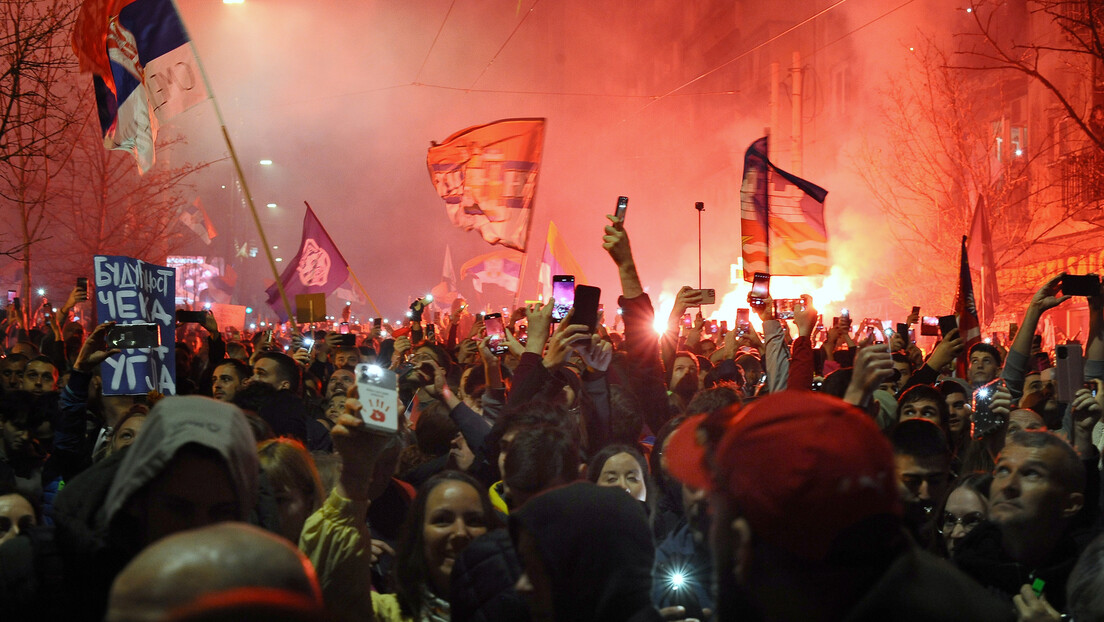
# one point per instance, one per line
(290, 470)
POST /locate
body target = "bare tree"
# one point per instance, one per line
(946, 147)
(106, 208)
(39, 104)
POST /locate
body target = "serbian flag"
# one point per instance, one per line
(144, 71)
(501, 267)
(195, 218)
(487, 176)
(781, 219)
(557, 259)
(969, 328)
(318, 267)
(979, 249)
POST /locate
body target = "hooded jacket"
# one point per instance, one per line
(94, 537)
(596, 546)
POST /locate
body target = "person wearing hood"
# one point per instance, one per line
(195, 464)
(587, 553)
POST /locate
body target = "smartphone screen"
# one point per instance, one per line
(845, 319)
(496, 331)
(916, 311)
(784, 308)
(12, 296)
(929, 325)
(760, 288)
(343, 328)
(622, 207)
(134, 336)
(563, 295)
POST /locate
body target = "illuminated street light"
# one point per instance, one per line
(271, 205)
(266, 162)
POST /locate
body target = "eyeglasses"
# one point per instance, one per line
(968, 522)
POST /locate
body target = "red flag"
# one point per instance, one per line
(980, 252)
(969, 328)
(487, 176)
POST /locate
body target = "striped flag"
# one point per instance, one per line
(781, 219)
(144, 71)
(969, 329)
(557, 259)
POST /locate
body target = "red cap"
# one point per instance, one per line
(799, 466)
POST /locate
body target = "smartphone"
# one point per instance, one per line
(929, 325)
(133, 336)
(984, 420)
(724, 326)
(845, 319)
(431, 331)
(82, 283)
(377, 322)
(686, 321)
(347, 340)
(1069, 370)
(343, 328)
(916, 311)
(379, 396)
(183, 316)
(1081, 285)
(708, 296)
(784, 308)
(903, 329)
(622, 206)
(586, 306)
(563, 295)
(12, 296)
(497, 333)
(760, 289)
(947, 323)
(743, 315)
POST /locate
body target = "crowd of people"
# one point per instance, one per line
(791, 473)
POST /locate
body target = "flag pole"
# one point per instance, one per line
(766, 199)
(347, 266)
(365, 292)
(238, 170)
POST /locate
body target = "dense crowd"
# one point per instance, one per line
(788, 473)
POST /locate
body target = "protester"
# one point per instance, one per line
(808, 530)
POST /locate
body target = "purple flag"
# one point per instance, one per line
(318, 267)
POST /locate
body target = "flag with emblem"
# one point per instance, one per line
(318, 267)
(144, 70)
(487, 176)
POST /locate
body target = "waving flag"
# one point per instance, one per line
(318, 267)
(445, 291)
(144, 71)
(557, 259)
(979, 249)
(969, 329)
(195, 218)
(781, 219)
(487, 176)
(500, 267)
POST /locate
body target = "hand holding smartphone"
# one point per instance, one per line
(622, 207)
(760, 290)
(497, 333)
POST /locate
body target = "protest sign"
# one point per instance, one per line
(131, 291)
